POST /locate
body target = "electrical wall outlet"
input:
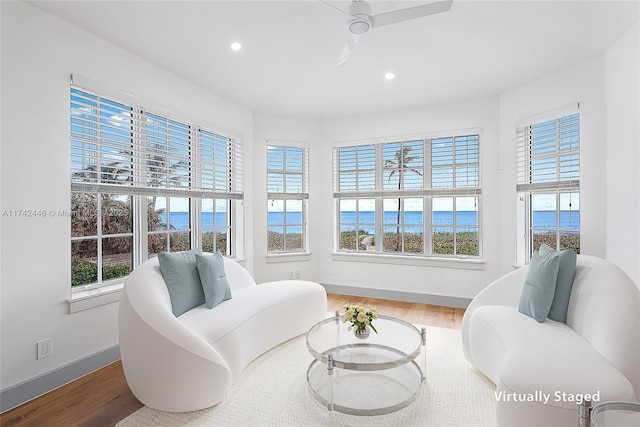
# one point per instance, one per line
(44, 348)
(294, 274)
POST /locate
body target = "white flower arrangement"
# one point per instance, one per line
(359, 317)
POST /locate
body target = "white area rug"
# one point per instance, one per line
(272, 391)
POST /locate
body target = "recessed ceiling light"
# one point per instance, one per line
(389, 75)
(236, 46)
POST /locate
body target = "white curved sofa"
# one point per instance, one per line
(596, 352)
(189, 362)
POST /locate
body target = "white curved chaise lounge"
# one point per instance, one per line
(596, 351)
(189, 362)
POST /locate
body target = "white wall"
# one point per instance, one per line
(39, 52)
(583, 83)
(622, 80)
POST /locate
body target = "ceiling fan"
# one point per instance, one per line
(361, 20)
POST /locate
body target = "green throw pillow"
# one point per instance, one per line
(214, 280)
(564, 282)
(539, 286)
(180, 273)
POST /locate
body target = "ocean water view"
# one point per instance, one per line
(441, 219)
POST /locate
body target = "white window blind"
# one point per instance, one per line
(403, 164)
(113, 144)
(355, 169)
(101, 141)
(455, 162)
(168, 153)
(222, 164)
(548, 155)
(287, 172)
(453, 168)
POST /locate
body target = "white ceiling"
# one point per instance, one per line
(291, 48)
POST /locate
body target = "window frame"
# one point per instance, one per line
(566, 173)
(427, 193)
(100, 236)
(137, 185)
(282, 196)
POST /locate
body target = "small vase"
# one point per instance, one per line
(362, 333)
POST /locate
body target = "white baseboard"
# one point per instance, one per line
(28, 390)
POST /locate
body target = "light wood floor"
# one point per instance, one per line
(103, 397)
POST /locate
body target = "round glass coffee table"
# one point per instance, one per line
(373, 376)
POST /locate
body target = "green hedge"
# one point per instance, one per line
(275, 242)
(348, 240)
(413, 243)
(84, 271)
(567, 241)
(221, 242)
(466, 242)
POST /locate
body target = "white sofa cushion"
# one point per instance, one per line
(525, 356)
(212, 325)
(255, 318)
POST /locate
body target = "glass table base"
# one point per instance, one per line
(368, 392)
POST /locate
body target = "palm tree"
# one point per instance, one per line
(401, 159)
(114, 172)
(160, 172)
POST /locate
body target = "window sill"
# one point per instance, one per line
(288, 257)
(84, 300)
(458, 263)
(92, 297)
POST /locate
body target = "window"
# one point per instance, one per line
(402, 219)
(142, 183)
(415, 197)
(216, 225)
(102, 237)
(455, 170)
(548, 183)
(287, 196)
(169, 225)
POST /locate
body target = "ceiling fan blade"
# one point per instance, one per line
(348, 49)
(336, 8)
(410, 13)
